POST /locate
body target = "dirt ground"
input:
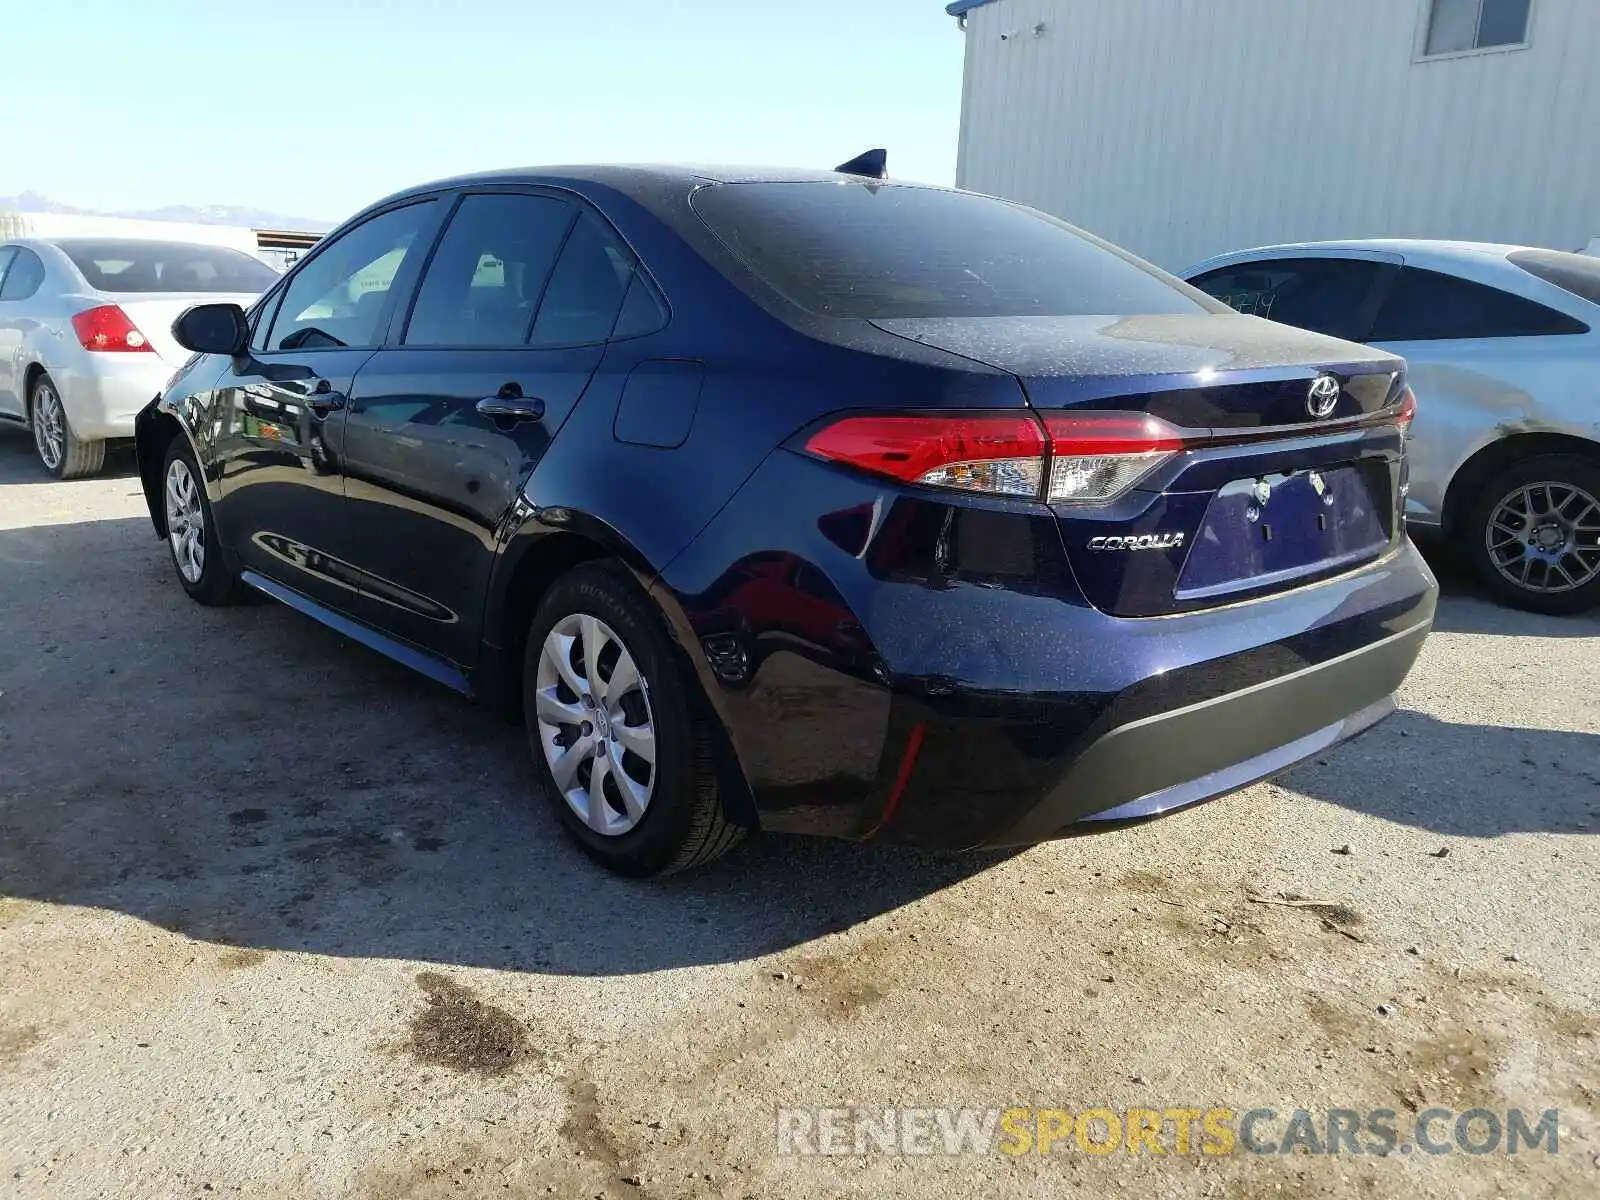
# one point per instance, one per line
(280, 919)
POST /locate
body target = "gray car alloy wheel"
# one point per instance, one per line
(1545, 537)
(49, 426)
(595, 724)
(186, 522)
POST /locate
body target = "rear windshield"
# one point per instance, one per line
(871, 250)
(137, 266)
(1576, 273)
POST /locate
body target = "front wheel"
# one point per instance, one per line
(617, 731)
(1533, 534)
(192, 530)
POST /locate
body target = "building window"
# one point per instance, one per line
(1459, 26)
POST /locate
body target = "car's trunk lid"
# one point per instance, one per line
(1206, 370)
(1290, 470)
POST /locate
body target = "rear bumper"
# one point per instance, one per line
(1169, 761)
(103, 393)
(1154, 715)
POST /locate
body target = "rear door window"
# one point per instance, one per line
(586, 289)
(642, 310)
(483, 285)
(23, 277)
(1426, 306)
(1325, 295)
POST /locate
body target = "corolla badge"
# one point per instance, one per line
(1323, 397)
(1142, 541)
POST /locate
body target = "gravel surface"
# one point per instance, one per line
(278, 918)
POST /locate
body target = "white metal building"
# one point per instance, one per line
(1184, 128)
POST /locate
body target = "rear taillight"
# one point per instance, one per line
(108, 329)
(1095, 457)
(1408, 411)
(1003, 456)
(1078, 459)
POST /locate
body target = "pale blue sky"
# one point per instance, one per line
(316, 107)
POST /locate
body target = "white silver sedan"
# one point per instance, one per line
(1503, 347)
(86, 333)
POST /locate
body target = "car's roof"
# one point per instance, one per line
(1412, 249)
(633, 175)
(1497, 264)
(72, 241)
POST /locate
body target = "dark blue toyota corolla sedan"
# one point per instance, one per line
(805, 501)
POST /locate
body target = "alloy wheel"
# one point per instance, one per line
(1545, 537)
(49, 427)
(186, 526)
(595, 724)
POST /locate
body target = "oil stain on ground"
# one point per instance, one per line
(844, 983)
(1456, 1067)
(1148, 882)
(585, 1128)
(1342, 1026)
(15, 1042)
(1341, 916)
(359, 854)
(459, 1031)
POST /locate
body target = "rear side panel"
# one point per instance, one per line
(819, 592)
(745, 404)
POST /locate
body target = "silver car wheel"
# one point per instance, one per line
(1545, 537)
(595, 724)
(49, 426)
(186, 522)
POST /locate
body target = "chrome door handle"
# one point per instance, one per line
(510, 404)
(323, 400)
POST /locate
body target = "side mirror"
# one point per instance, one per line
(213, 329)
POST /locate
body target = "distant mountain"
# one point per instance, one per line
(33, 202)
(209, 214)
(229, 214)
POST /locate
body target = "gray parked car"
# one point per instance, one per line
(86, 333)
(1503, 344)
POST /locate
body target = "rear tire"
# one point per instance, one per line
(62, 453)
(192, 530)
(1533, 534)
(602, 719)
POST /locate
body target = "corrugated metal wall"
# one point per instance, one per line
(1183, 128)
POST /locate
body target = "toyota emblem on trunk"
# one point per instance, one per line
(1323, 397)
